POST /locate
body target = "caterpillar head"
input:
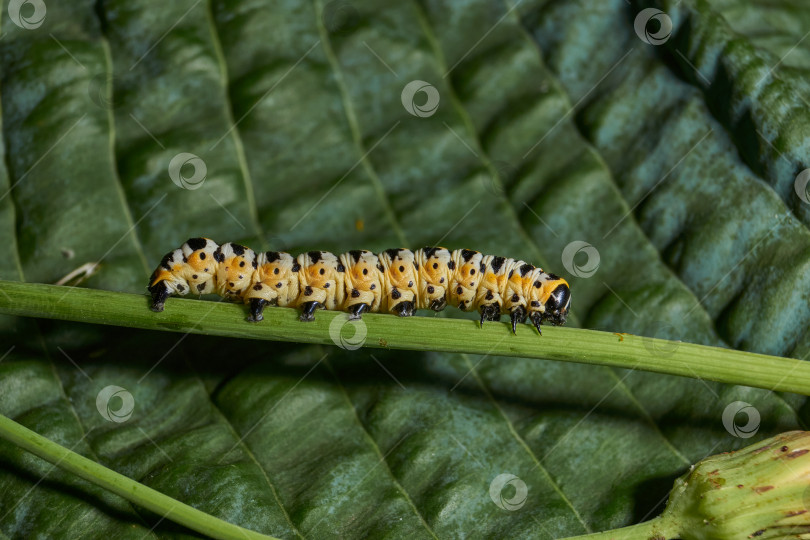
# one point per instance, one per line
(200, 269)
(549, 298)
(558, 299)
(168, 279)
(235, 266)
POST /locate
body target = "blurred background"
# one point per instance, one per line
(654, 154)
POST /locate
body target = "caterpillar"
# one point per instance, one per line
(397, 281)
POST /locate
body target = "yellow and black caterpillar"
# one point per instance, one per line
(397, 281)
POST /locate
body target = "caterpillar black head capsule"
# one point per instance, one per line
(159, 293)
(558, 302)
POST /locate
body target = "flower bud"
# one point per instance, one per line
(761, 491)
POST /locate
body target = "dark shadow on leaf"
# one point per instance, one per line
(651, 497)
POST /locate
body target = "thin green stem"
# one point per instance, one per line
(411, 333)
(119, 484)
(655, 529)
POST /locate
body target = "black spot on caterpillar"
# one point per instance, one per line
(196, 243)
(397, 281)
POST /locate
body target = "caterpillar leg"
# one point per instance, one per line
(438, 304)
(308, 313)
(491, 312)
(517, 315)
(403, 309)
(160, 292)
(537, 320)
(356, 311)
(257, 305)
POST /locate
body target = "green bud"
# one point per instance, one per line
(761, 491)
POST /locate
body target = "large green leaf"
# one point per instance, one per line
(556, 124)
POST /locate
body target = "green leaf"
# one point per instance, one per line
(556, 124)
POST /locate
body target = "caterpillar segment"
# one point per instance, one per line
(433, 267)
(234, 270)
(321, 281)
(465, 276)
(489, 294)
(397, 281)
(363, 281)
(515, 292)
(275, 283)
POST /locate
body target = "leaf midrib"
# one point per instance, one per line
(241, 443)
(378, 451)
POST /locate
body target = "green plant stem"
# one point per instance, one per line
(119, 484)
(412, 333)
(657, 528)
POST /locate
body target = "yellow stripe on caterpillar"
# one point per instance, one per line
(397, 281)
